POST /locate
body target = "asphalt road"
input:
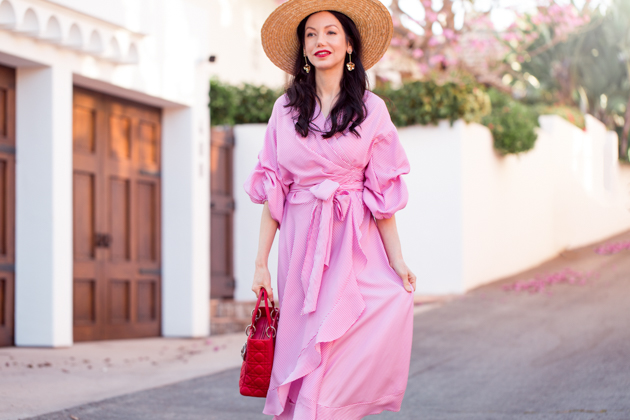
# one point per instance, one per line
(493, 354)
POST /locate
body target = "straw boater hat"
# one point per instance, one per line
(279, 33)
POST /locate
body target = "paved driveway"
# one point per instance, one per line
(560, 353)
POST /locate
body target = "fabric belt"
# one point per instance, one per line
(331, 196)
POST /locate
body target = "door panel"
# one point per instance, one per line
(83, 207)
(146, 221)
(120, 138)
(83, 127)
(120, 209)
(84, 301)
(116, 218)
(7, 205)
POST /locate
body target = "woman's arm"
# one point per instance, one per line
(268, 227)
(391, 241)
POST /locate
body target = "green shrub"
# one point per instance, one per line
(512, 124)
(222, 103)
(427, 103)
(418, 103)
(255, 103)
(245, 104)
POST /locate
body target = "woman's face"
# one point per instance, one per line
(325, 41)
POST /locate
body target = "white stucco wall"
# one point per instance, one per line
(474, 216)
(247, 215)
(430, 225)
(519, 211)
(234, 27)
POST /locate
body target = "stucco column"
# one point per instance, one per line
(186, 221)
(43, 265)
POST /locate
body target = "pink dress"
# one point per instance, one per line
(344, 337)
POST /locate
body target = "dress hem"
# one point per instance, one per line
(357, 411)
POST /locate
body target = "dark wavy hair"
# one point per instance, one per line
(349, 110)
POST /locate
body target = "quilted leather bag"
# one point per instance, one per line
(257, 352)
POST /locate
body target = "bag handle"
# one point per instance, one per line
(272, 321)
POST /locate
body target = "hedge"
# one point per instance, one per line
(512, 123)
(245, 104)
(426, 103)
(417, 103)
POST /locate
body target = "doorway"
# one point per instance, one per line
(116, 220)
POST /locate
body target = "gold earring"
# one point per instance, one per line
(350, 65)
(307, 67)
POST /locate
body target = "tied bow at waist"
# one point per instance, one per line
(331, 196)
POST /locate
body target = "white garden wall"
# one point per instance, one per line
(474, 216)
(247, 144)
(519, 211)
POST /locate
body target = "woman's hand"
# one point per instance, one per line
(408, 278)
(262, 278)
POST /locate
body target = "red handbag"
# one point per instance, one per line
(257, 351)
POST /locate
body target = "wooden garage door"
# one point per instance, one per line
(116, 188)
(7, 204)
(221, 213)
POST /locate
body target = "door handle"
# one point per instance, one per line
(102, 240)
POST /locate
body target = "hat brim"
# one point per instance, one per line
(373, 20)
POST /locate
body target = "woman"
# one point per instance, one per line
(329, 176)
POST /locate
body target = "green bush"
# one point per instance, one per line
(427, 103)
(245, 104)
(512, 124)
(255, 103)
(222, 103)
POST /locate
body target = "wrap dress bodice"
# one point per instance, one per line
(335, 285)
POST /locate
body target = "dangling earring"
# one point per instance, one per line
(350, 65)
(307, 67)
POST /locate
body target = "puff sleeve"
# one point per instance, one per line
(264, 183)
(385, 191)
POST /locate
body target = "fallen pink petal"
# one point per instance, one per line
(541, 283)
(613, 248)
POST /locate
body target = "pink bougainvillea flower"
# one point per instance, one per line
(448, 33)
(396, 42)
(430, 16)
(436, 59)
(511, 36)
(451, 61)
(418, 53)
(434, 41)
